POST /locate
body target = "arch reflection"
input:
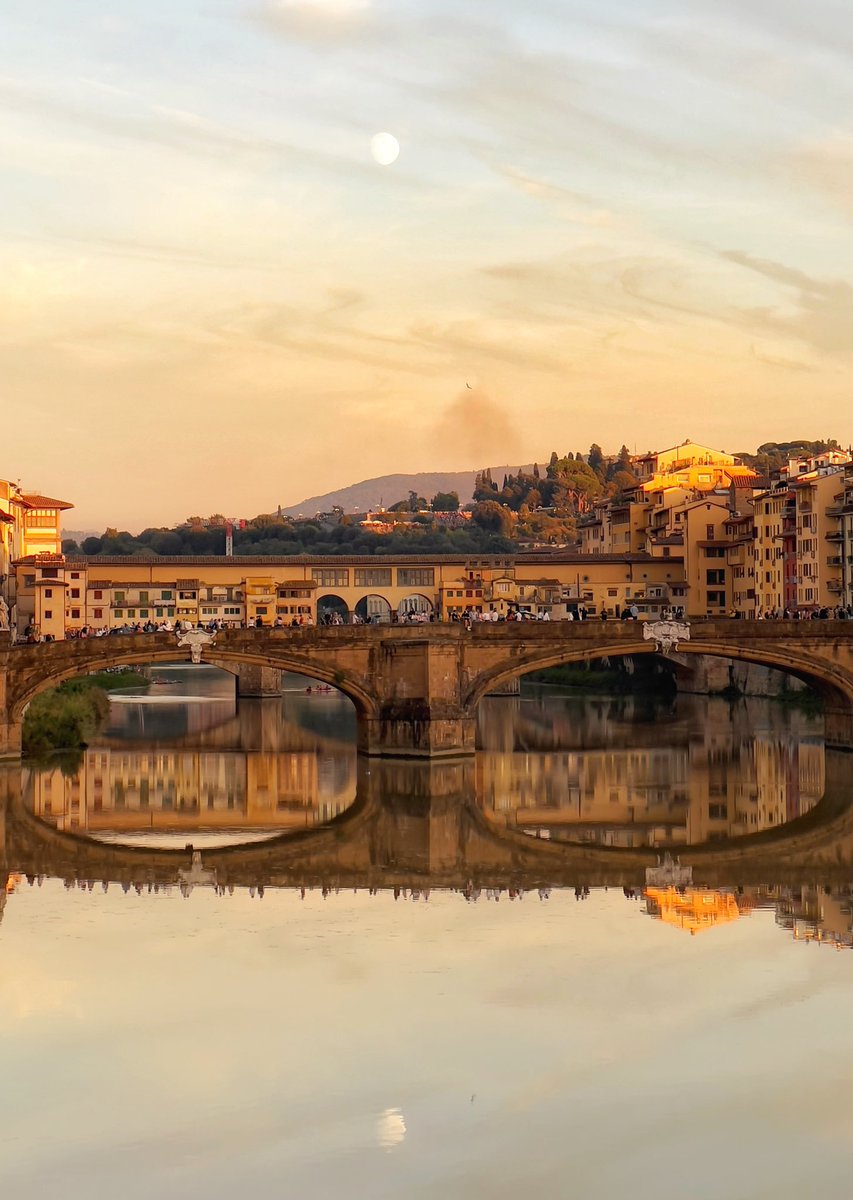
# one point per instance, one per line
(134, 794)
(628, 773)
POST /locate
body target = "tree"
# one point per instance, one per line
(445, 502)
(492, 517)
(91, 545)
(596, 459)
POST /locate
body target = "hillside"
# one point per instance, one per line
(388, 489)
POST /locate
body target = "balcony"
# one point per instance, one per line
(835, 586)
(836, 536)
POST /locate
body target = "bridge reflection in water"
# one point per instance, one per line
(592, 773)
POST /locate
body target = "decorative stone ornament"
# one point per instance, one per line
(196, 639)
(666, 634)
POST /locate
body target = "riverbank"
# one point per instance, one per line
(66, 717)
(626, 676)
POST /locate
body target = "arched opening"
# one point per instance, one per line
(415, 608)
(373, 610)
(332, 610)
(178, 757)
(642, 750)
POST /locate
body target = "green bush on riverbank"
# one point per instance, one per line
(66, 717)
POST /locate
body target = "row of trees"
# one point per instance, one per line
(281, 537)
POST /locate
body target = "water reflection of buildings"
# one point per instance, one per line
(694, 909)
(818, 915)
(650, 785)
(177, 790)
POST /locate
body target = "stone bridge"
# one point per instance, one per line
(417, 824)
(416, 687)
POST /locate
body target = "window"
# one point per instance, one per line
(75, 614)
(119, 614)
(98, 594)
(715, 552)
(29, 581)
(50, 573)
(330, 577)
(187, 595)
(716, 599)
(97, 613)
(232, 612)
(261, 610)
(717, 812)
(415, 577)
(48, 614)
(75, 574)
(131, 612)
(143, 612)
(143, 597)
(48, 592)
(165, 595)
(373, 577)
(709, 532)
(75, 593)
(715, 577)
(119, 597)
(158, 612)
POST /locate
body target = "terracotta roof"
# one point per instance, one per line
(36, 500)
(7, 517)
(298, 583)
(188, 585)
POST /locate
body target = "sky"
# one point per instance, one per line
(615, 222)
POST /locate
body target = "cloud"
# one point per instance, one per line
(825, 166)
(824, 308)
(323, 21)
(476, 428)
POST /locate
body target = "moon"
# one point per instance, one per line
(385, 148)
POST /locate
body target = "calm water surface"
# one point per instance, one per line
(459, 1043)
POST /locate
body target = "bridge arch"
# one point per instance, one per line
(831, 681)
(145, 649)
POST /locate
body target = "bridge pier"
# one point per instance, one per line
(838, 728)
(257, 681)
(10, 729)
(417, 729)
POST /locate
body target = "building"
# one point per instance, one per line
(57, 594)
(30, 525)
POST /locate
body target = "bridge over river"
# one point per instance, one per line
(416, 687)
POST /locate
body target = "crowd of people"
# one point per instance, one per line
(467, 617)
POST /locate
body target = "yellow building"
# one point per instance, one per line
(768, 550)
(30, 524)
(58, 594)
(819, 563)
(676, 458)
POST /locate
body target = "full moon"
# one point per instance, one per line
(385, 148)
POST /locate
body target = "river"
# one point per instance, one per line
(473, 1040)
